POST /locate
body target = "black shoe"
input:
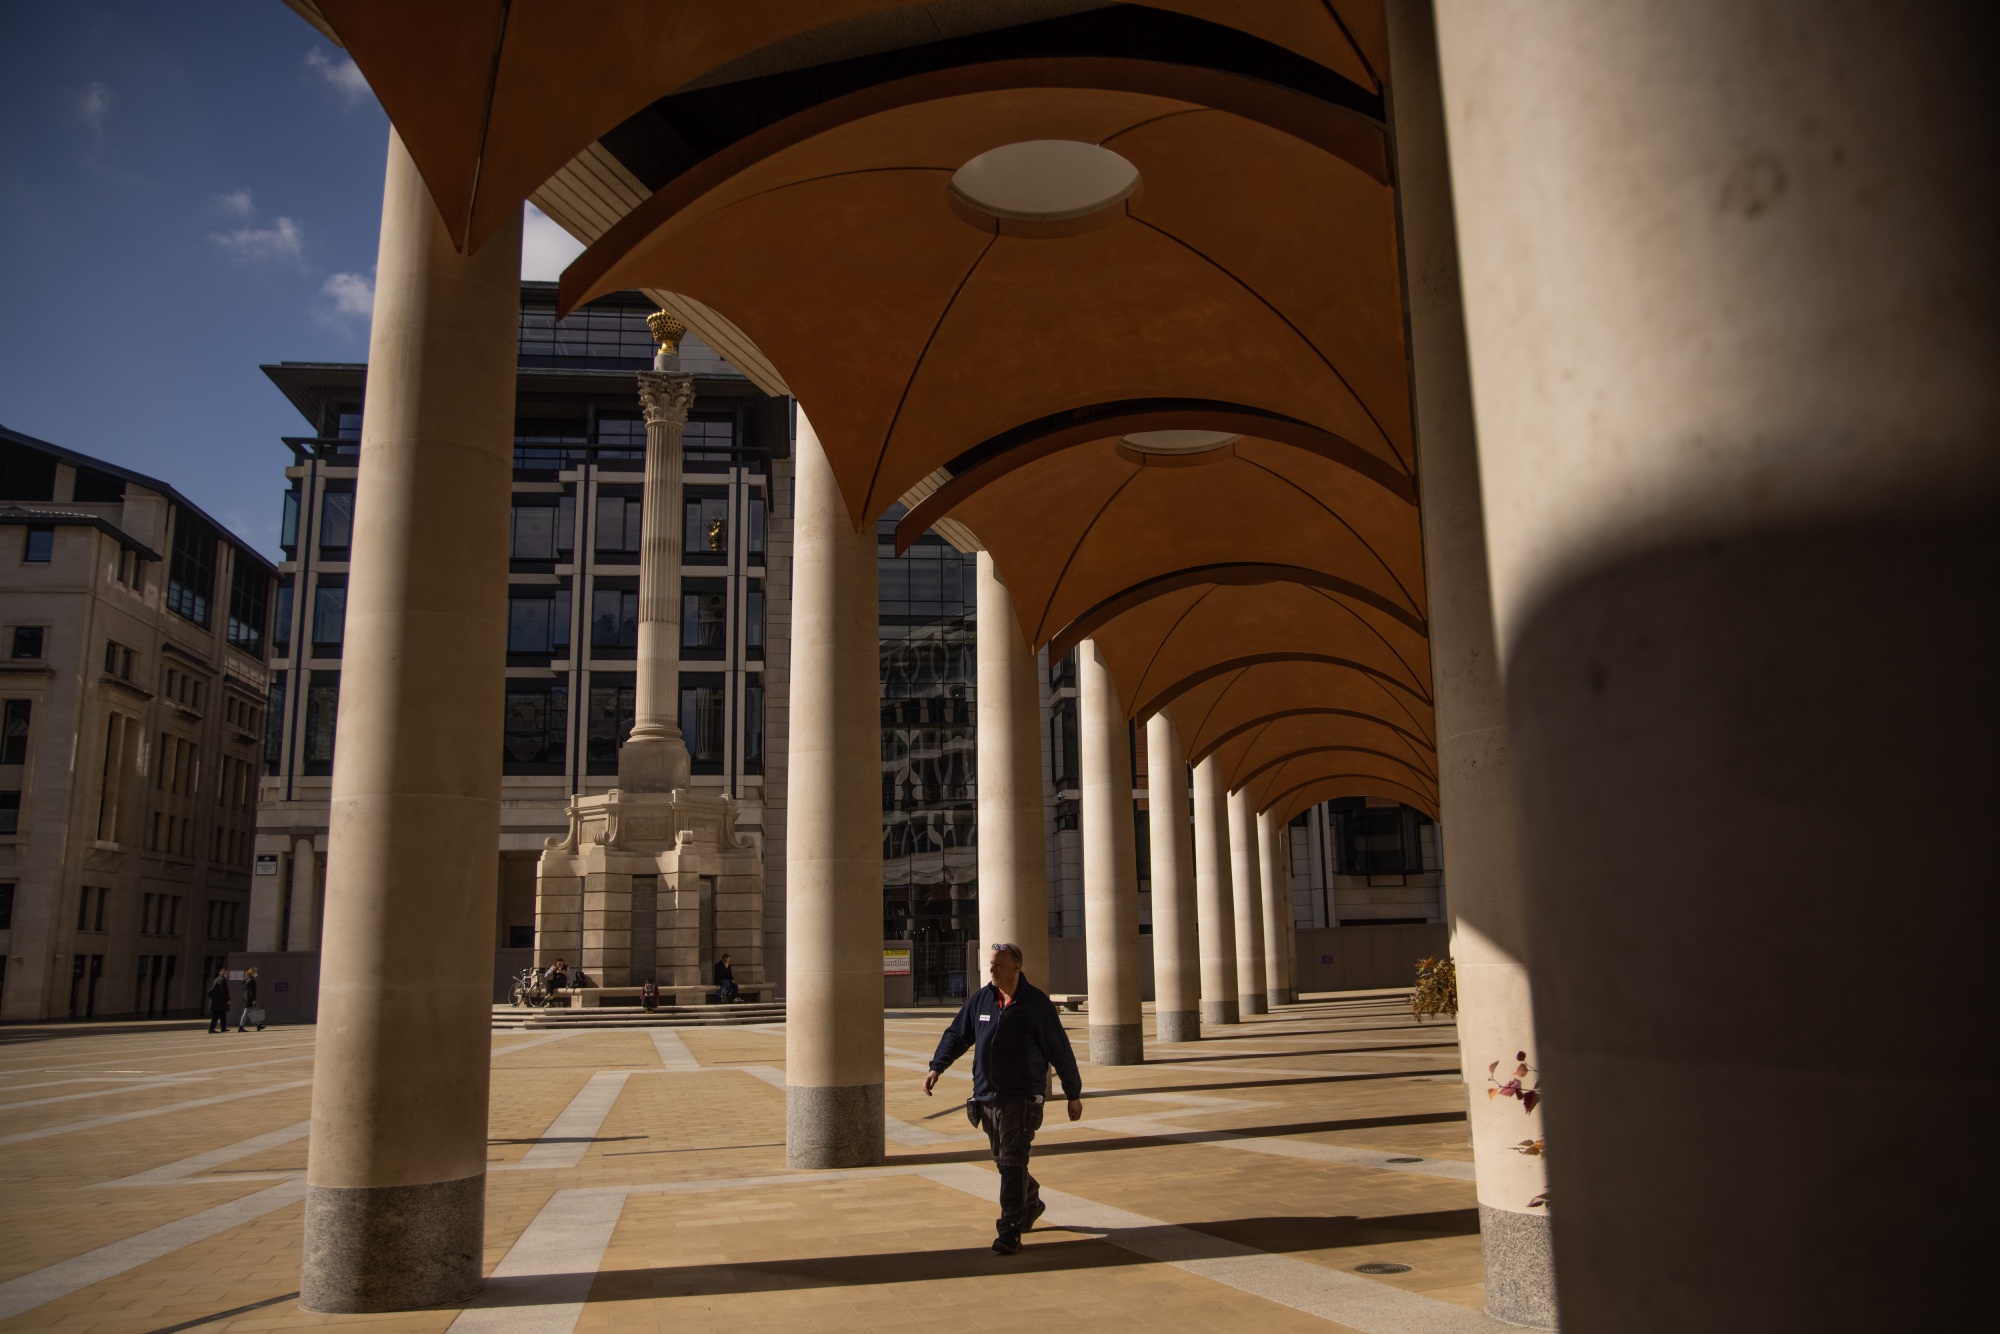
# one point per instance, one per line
(1034, 1210)
(1007, 1243)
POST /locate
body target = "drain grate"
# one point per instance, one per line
(1381, 1267)
(1406, 1160)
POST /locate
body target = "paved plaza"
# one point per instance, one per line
(154, 1182)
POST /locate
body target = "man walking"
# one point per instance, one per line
(1015, 1036)
(218, 1001)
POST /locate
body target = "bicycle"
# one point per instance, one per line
(531, 991)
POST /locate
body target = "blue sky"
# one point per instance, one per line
(186, 190)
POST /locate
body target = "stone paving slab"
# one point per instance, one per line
(638, 1182)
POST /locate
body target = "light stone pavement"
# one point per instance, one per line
(152, 1181)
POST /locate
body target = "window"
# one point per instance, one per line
(705, 526)
(10, 812)
(41, 545)
(1063, 745)
(617, 526)
(753, 725)
(538, 620)
(537, 728)
(609, 720)
(336, 519)
(14, 731)
(544, 527)
(131, 569)
(281, 622)
(191, 572)
(329, 620)
(249, 605)
(701, 720)
(28, 641)
(600, 335)
(6, 906)
(707, 442)
(117, 660)
(1379, 840)
(614, 616)
(274, 739)
(753, 619)
(754, 513)
(288, 523)
(322, 713)
(704, 618)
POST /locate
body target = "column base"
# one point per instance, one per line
(1117, 1044)
(833, 1126)
(392, 1248)
(1252, 1004)
(653, 765)
(1273, 999)
(1520, 1267)
(1178, 1025)
(1219, 1012)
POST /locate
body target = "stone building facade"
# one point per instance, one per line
(133, 632)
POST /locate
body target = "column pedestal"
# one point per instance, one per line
(1275, 871)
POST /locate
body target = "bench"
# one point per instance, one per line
(587, 998)
(1071, 1003)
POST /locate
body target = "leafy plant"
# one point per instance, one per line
(1437, 989)
(1514, 1088)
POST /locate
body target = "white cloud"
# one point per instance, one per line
(546, 249)
(353, 295)
(341, 75)
(282, 240)
(237, 203)
(94, 104)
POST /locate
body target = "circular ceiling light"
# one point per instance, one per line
(1179, 442)
(1043, 187)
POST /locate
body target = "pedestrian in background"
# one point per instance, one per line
(218, 1002)
(252, 1012)
(1015, 1036)
(725, 980)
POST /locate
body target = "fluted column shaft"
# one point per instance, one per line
(1110, 865)
(655, 756)
(1176, 938)
(1246, 881)
(833, 855)
(396, 1175)
(1484, 895)
(1215, 901)
(1732, 332)
(1013, 840)
(1275, 871)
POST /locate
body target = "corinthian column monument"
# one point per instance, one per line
(652, 880)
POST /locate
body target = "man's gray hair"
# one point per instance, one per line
(1014, 950)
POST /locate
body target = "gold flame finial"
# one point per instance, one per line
(667, 330)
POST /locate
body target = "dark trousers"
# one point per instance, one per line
(1010, 1128)
(218, 1018)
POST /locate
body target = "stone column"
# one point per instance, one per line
(1214, 899)
(1110, 865)
(1484, 893)
(1274, 872)
(1732, 333)
(833, 896)
(655, 757)
(302, 930)
(1013, 847)
(396, 1177)
(1247, 881)
(1176, 940)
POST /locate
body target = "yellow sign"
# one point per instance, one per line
(895, 963)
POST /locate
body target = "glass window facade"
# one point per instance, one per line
(543, 528)
(614, 615)
(329, 617)
(537, 726)
(609, 720)
(249, 605)
(322, 715)
(701, 720)
(704, 618)
(14, 731)
(336, 518)
(617, 526)
(191, 568)
(538, 620)
(705, 526)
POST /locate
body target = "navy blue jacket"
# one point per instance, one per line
(1013, 1048)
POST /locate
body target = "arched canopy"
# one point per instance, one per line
(493, 97)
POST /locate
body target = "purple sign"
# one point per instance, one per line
(281, 986)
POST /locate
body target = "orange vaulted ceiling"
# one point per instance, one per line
(494, 96)
(1253, 267)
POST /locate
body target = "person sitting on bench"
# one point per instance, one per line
(725, 981)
